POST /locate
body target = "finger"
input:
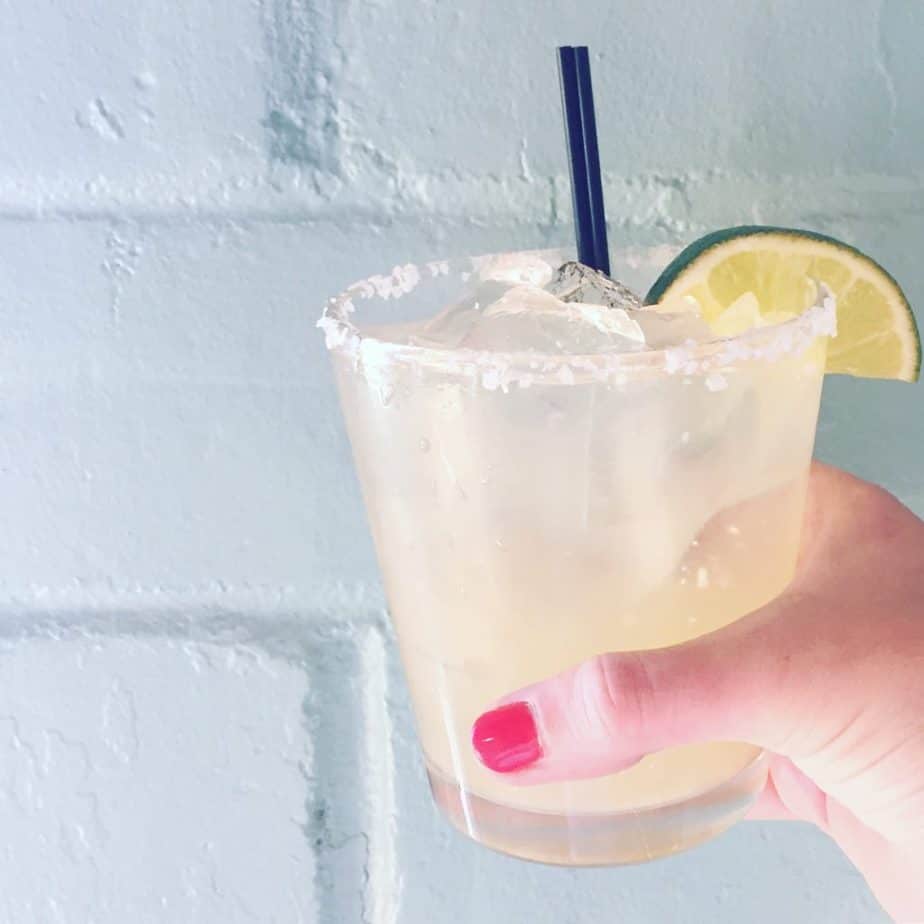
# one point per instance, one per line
(768, 806)
(800, 797)
(606, 713)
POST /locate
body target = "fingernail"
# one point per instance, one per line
(506, 739)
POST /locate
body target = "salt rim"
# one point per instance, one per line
(500, 369)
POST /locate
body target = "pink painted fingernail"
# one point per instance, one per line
(506, 739)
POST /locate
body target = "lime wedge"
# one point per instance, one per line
(751, 276)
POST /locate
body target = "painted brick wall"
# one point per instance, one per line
(201, 716)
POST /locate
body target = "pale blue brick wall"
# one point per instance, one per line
(201, 718)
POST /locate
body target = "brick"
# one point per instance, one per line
(99, 95)
(158, 779)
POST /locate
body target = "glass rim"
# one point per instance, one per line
(500, 368)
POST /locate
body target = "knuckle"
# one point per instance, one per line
(616, 694)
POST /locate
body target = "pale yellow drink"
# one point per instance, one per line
(530, 514)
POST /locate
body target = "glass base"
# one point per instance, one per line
(604, 839)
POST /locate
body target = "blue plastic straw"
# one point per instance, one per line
(583, 157)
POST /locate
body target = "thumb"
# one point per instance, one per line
(739, 683)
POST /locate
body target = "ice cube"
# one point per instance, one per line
(580, 312)
(498, 317)
(575, 282)
(529, 318)
(664, 329)
(514, 268)
(744, 314)
(454, 324)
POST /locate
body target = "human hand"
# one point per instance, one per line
(829, 678)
